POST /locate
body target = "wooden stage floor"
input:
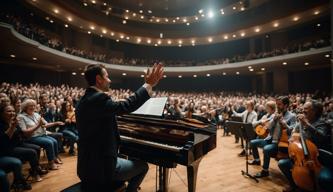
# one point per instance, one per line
(219, 171)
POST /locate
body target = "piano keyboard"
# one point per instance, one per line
(151, 143)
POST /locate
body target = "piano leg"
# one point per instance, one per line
(192, 171)
(163, 179)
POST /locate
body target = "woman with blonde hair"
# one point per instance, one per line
(34, 127)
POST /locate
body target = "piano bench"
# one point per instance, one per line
(77, 188)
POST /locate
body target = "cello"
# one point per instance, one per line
(304, 153)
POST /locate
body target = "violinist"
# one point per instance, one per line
(283, 118)
(315, 130)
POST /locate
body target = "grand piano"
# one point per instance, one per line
(166, 143)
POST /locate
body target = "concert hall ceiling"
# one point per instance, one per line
(179, 22)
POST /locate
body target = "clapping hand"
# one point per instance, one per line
(154, 75)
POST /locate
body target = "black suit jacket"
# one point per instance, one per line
(98, 133)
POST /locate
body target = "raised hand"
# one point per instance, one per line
(154, 75)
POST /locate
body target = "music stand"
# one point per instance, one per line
(246, 130)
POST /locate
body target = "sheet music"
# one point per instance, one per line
(154, 106)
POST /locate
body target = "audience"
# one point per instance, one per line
(57, 103)
(37, 33)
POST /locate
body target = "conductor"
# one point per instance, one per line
(99, 166)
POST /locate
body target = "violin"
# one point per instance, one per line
(305, 154)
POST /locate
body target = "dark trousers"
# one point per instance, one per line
(325, 177)
(4, 185)
(13, 164)
(26, 154)
(72, 138)
(132, 171)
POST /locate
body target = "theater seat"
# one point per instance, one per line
(120, 187)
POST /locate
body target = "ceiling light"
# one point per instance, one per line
(112, 33)
(318, 25)
(184, 20)
(327, 55)
(234, 8)
(134, 14)
(284, 63)
(180, 41)
(192, 41)
(66, 25)
(142, 75)
(166, 20)
(249, 67)
(124, 74)
(210, 14)
(92, 27)
(257, 30)
(126, 17)
(124, 22)
(243, 34)
(56, 11)
(179, 76)
(93, 1)
(316, 12)
(69, 18)
(187, 24)
(12, 56)
(196, 18)
(51, 21)
(174, 21)
(177, 18)
(82, 74)
(148, 41)
(242, 8)
(159, 42)
(89, 32)
(73, 73)
(140, 11)
(194, 75)
(104, 4)
(226, 37)
(296, 18)
(169, 42)
(200, 11)
(276, 24)
(127, 10)
(138, 40)
(208, 75)
(142, 17)
(224, 73)
(233, 35)
(263, 69)
(164, 76)
(104, 31)
(157, 20)
(306, 63)
(34, 58)
(122, 36)
(180, 45)
(237, 73)
(127, 37)
(117, 40)
(149, 11)
(202, 15)
(210, 39)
